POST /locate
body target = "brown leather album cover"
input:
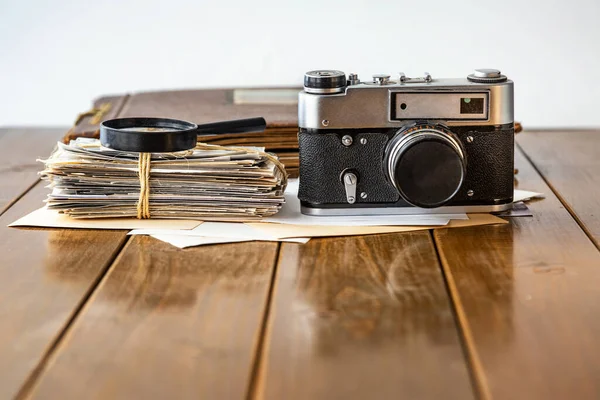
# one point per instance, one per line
(277, 105)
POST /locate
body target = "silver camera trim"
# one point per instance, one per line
(362, 105)
(324, 90)
(410, 210)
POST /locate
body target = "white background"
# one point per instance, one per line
(55, 56)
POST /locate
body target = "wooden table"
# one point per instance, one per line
(507, 311)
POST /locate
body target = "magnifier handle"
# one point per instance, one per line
(257, 124)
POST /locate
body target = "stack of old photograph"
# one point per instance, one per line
(208, 182)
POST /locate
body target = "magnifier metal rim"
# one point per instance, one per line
(183, 135)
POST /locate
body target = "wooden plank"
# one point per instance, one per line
(570, 163)
(19, 148)
(44, 276)
(362, 317)
(167, 323)
(527, 298)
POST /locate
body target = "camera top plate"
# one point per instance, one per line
(376, 103)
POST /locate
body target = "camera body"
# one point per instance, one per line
(405, 146)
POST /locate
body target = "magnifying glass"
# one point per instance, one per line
(164, 135)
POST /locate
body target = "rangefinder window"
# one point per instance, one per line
(450, 106)
(470, 105)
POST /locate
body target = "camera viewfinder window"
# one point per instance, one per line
(471, 106)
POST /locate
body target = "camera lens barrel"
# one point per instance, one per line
(426, 164)
(324, 81)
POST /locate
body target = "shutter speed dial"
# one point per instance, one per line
(324, 81)
(486, 75)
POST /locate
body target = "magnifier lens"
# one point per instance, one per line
(148, 135)
(148, 129)
(165, 135)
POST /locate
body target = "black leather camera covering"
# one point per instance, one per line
(323, 160)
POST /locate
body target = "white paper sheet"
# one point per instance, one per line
(183, 242)
(231, 230)
(290, 231)
(190, 241)
(522, 195)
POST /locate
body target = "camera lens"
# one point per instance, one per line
(426, 164)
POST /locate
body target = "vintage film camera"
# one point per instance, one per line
(405, 146)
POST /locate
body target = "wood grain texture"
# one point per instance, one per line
(570, 163)
(167, 323)
(44, 275)
(361, 317)
(19, 149)
(528, 300)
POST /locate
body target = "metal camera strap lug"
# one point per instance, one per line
(350, 181)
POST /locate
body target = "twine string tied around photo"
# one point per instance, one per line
(143, 203)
